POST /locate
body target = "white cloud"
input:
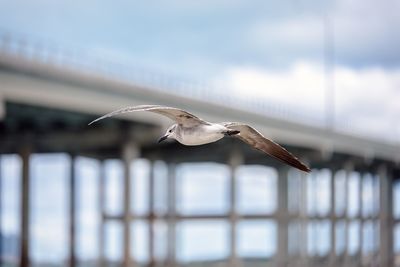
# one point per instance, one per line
(298, 90)
(366, 100)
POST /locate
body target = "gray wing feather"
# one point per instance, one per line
(178, 115)
(254, 138)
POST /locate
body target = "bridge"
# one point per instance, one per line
(48, 95)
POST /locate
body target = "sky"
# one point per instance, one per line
(266, 50)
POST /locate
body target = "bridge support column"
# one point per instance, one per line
(72, 213)
(101, 204)
(332, 254)
(25, 212)
(1, 205)
(129, 152)
(386, 218)
(283, 214)
(349, 168)
(360, 218)
(152, 262)
(171, 234)
(235, 160)
(303, 220)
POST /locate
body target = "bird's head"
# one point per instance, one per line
(170, 133)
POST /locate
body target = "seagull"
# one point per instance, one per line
(190, 130)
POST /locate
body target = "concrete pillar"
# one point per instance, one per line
(349, 168)
(283, 215)
(376, 212)
(304, 220)
(171, 217)
(151, 215)
(129, 152)
(386, 217)
(1, 205)
(72, 213)
(101, 207)
(332, 214)
(235, 160)
(360, 218)
(25, 211)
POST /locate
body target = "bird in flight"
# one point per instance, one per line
(190, 130)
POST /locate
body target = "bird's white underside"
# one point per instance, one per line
(203, 134)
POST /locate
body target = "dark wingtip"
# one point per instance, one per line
(295, 162)
(302, 167)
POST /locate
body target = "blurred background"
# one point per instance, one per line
(320, 77)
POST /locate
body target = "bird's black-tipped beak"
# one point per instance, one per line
(162, 138)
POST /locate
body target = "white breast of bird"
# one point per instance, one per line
(201, 134)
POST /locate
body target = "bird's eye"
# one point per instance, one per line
(170, 131)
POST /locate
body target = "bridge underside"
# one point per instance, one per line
(48, 130)
(28, 129)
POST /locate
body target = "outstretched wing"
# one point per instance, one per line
(178, 115)
(252, 137)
